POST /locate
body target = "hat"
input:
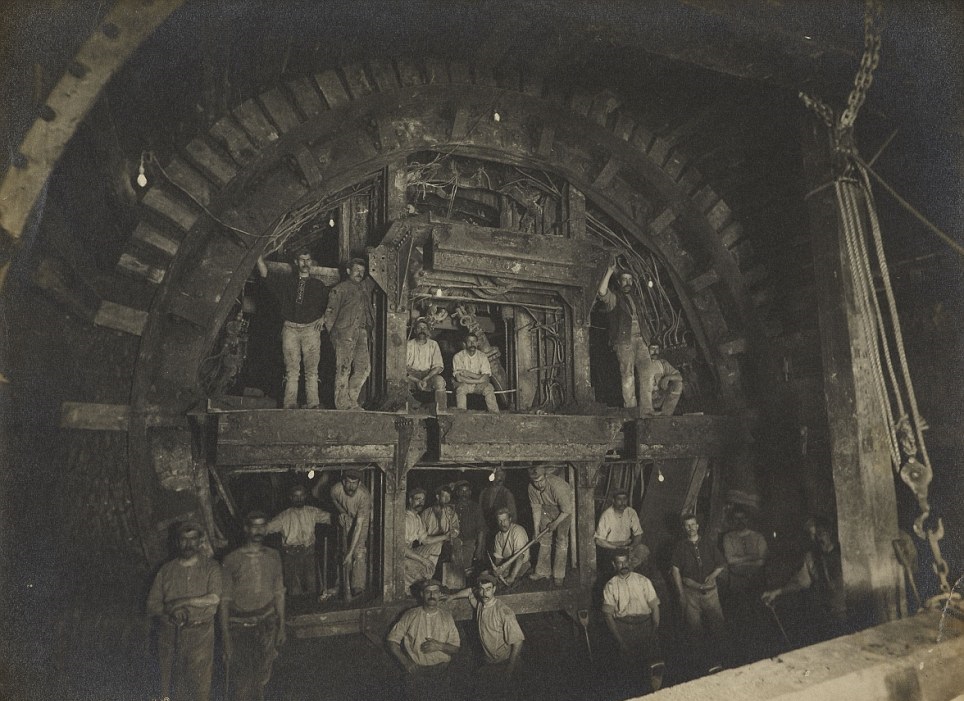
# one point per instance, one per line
(351, 474)
(460, 483)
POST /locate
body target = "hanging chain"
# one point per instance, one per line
(850, 178)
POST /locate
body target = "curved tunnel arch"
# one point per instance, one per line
(314, 136)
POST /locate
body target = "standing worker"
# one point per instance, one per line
(302, 299)
(350, 318)
(296, 525)
(353, 502)
(552, 505)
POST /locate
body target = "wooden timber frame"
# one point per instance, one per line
(395, 443)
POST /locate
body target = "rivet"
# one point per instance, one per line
(111, 30)
(46, 113)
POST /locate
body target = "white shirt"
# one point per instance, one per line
(423, 356)
(509, 543)
(478, 363)
(632, 596)
(616, 527)
(297, 525)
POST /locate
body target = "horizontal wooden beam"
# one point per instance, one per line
(329, 276)
(287, 454)
(120, 318)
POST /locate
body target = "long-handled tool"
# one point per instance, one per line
(583, 615)
(500, 570)
(345, 572)
(779, 624)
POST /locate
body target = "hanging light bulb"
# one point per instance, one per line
(496, 116)
(438, 292)
(311, 474)
(659, 474)
(649, 283)
(331, 222)
(141, 177)
(492, 476)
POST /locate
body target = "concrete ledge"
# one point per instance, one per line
(898, 661)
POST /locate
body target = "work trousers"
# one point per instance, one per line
(428, 683)
(186, 657)
(704, 620)
(436, 384)
(255, 649)
(635, 365)
(353, 365)
(299, 567)
(671, 395)
(463, 389)
(301, 343)
(642, 652)
(493, 683)
(559, 543)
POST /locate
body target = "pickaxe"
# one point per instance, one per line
(499, 570)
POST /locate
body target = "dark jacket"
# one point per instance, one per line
(620, 308)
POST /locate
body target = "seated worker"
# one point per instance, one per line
(619, 530)
(510, 539)
(423, 364)
(472, 374)
(667, 384)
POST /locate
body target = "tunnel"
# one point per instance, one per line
(487, 162)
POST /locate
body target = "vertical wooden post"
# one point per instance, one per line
(344, 233)
(409, 449)
(396, 195)
(862, 473)
(586, 521)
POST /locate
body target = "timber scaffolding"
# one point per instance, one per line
(276, 440)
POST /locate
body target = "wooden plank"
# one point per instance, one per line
(120, 318)
(210, 161)
(306, 427)
(701, 282)
(332, 89)
(383, 73)
(329, 276)
(862, 477)
(170, 207)
(132, 264)
(357, 80)
(690, 429)
(308, 165)
(528, 451)
(305, 96)
(233, 138)
(482, 428)
(607, 174)
(94, 417)
(281, 111)
(189, 180)
(292, 453)
(255, 123)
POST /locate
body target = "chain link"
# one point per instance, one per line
(868, 63)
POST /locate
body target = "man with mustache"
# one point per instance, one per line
(423, 364)
(510, 539)
(350, 318)
(473, 375)
(631, 609)
(552, 505)
(252, 611)
(184, 598)
(353, 502)
(302, 299)
(501, 638)
(629, 337)
(423, 642)
(296, 525)
(619, 530)
(420, 551)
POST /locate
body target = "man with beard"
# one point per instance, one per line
(354, 504)
(552, 505)
(302, 300)
(510, 539)
(184, 598)
(297, 528)
(619, 530)
(423, 364)
(350, 318)
(500, 635)
(420, 559)
(441, 519)
(424, 641)
(472, 374)
(629, 337)
(471, 525)
(631, 609)
(252, 611)
(822, 574)
(695, 565)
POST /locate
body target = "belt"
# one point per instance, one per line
(701, 589)
(299, 548)
(251, 617)
(296, 325)
(637, 619)
(189, 624)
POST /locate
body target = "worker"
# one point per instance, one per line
(441, 519)
(353, 502)
(822, 574)
(302, 299)
(551, 499)
(420, 551)
(501, 637)
(472, 374)
(745, 551)
(510, 540)
(631, 610)
(619, 530)
(184, 598)
(350, 318)
(296, 525)
(696, 564)
(495, 497)
(423, 641)
(252, 611)
(423, 364)
(667, 384)
(471, 525)
(629, 337)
